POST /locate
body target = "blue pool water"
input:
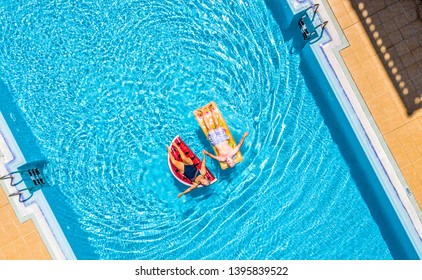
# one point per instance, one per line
(105, 85)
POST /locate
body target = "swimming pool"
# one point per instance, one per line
(104, 86)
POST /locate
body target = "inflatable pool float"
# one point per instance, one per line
(221, 122)
(188, 152)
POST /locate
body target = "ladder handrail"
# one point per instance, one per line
(304, 29)
(322, 25)
(34, 174)
(315, 6)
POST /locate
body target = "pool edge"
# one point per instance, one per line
(37, 210)
(359, 116)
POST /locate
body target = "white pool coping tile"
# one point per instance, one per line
(37, 209)
(351, 100)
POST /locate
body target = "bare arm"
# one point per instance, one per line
(192, 187)
(203, 170)
(212, 156)
(237, 148)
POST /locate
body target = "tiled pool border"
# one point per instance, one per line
(37, 207)
(351, 100)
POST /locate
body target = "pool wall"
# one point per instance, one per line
(16, 152)
(389, 199)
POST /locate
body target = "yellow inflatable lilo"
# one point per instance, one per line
(215, 128)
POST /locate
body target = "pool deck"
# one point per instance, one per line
(18, 241)
(385, 61)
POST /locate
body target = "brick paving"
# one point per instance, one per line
(384, 58)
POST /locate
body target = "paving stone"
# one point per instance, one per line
(395, 9)
(408, 4)
(414, 70)
(411, 86)
(390, 2)
(407, 31)
(413, 42)
(407, 59)
(401, 20)
(376, 20)
(399, 64)
(419, 10)
(378, 5)
(417, 83)
(387, 41)
(395, 37)
(417, 25)
(385, 15)
(401, 48)
(393, 54)
(404, 76)
(390, 26)
(411, 14)
(417, 54)
(370, 8)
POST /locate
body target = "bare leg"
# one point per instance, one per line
(185, 159)
(209, 121)
(215, 116)
(179, 165)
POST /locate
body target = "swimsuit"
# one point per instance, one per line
(191, 172)
(217, 136)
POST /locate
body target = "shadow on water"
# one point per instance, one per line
(361, 170)
(30, 149)
(342, 133)
(213, 165)
(279, 11)
(202, 192)
(312, 25)
(18, 126)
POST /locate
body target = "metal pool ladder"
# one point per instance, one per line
(33, 178)
(306, 25)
